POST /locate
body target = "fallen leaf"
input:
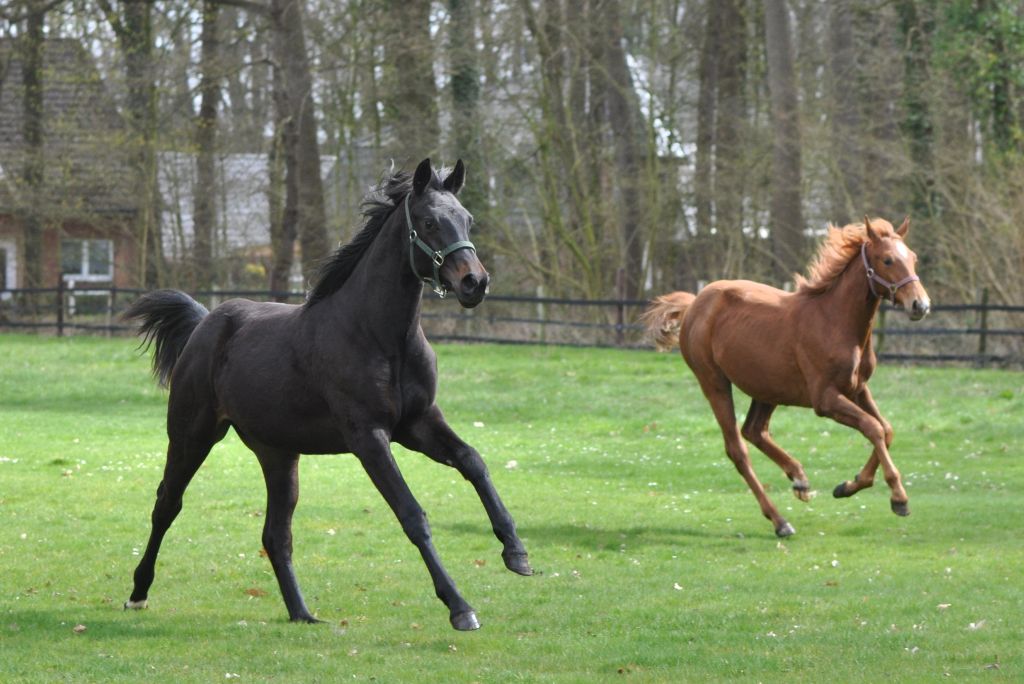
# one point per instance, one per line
(79, 628)
(255, 591)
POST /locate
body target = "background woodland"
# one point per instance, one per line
(614, 148)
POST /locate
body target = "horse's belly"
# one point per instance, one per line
(766, 374)
(293, 432)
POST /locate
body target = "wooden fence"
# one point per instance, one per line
(978, 333)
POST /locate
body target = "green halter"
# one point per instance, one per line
(436, 256)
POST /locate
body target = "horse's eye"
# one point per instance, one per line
(428, 223)
(887, 261)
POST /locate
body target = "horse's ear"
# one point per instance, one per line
(904, 228)
(456, 179)
(421, 178)
(872, 235)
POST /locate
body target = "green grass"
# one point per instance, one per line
(655, 563)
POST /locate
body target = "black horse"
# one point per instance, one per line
(347, 371)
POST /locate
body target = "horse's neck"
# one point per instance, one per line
(851, 303)
(383, 293)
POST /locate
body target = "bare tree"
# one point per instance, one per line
(787, 223)
(845, 183)
(133, 25)
(731, 123)
(465, 97)
(410, 91)
(30, 47)
(293, 60)
(625, 122)
(205, 192)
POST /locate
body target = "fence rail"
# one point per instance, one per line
(978, 333)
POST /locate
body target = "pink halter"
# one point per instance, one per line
(875, 278)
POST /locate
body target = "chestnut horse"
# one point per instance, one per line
(811, 347)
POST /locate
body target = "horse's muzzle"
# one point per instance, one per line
(919, 308)
(472, 288)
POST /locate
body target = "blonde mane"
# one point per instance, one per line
(836, 251)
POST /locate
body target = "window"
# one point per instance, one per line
(87, 259)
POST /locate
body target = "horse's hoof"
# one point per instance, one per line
(900, 508)
(785, 530)
(307, 620)
(135, 605)
(802, 490)
(840, 491)
(465, 622)
(517, 562)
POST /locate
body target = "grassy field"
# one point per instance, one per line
(654, 562)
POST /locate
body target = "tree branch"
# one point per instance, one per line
(112, 18)
(248, 5)
(8, 15)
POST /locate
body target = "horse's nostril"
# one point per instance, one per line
(469, 282)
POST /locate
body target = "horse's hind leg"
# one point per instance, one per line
(281, 473)
(431, 435)
(374, 452)
(184, 456)
(718, 391)
(755, 430)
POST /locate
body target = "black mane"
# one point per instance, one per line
(377, 207)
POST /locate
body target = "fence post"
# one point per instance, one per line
(111, 308)
(620, 308)
(983, 328)
(61, 285)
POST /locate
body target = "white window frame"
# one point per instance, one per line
(84, 276)
(11, 247)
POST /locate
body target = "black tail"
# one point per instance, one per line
(167, 317)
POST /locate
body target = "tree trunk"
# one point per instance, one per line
(465, 95)
(31, 49)
(290, 49)
(731, 112)
(625, 123)
(917, 28)
(136, 37)
(410, 100)
(706, 98)
(204, 193)
(283, 192)
(847, 161)
(787, 224)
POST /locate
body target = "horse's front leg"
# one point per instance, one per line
(845, 411)
(431, 435)
(866, 477)
(374, 452)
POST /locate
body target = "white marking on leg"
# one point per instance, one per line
(135, 605)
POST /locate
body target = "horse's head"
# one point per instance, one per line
(891, 264)
(439, 243)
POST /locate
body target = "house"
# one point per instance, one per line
(87, 210)
(241, 227)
